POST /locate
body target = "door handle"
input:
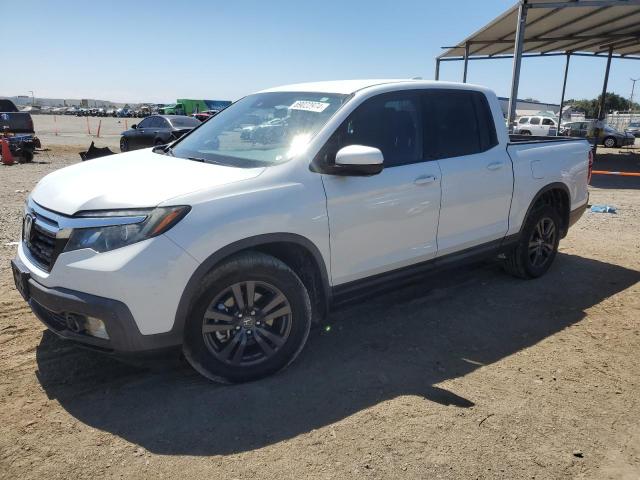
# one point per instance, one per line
(425, 179)
(495, 165)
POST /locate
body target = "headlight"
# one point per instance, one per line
(104, 238)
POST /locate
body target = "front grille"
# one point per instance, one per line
(42, 246)
(43, 243)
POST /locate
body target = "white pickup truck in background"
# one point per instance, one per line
(230, 245)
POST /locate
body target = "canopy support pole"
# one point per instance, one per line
(466, 62)
(517, 60)
(437, 69)
(564, 88)
(601, 107)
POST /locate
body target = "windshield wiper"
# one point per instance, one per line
(196, 159)
(165, 149)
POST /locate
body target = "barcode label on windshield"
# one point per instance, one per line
(309, 106)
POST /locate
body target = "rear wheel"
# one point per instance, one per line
(525, 132)
(124, 145)
(251, 319)
(609, 142)
(537, 246)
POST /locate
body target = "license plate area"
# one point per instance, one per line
(21, 279)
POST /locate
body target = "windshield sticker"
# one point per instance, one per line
(309, 106)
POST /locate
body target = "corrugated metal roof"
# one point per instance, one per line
(571, 26)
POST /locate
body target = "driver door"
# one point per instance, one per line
(137, 136)
(386, 221)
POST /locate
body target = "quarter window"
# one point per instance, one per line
(535, 121)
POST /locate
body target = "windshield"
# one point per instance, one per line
(634, 124)
(261, 129)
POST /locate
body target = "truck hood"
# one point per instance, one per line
(139, 179)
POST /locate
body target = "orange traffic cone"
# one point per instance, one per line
(7, 158)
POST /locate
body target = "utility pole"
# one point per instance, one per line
(33, 102)
(633, 87)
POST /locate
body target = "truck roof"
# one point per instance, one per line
(351, 86)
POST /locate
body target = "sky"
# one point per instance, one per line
(158, 51)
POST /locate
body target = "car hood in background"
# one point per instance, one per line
(137, 179)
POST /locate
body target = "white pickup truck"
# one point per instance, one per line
(231, 246)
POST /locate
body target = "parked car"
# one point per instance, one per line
(536, 125)
(156, 130)
(266, 132)
(231, 252)
(634, 129)
(609, 136)
(206, 115)
(12, 120)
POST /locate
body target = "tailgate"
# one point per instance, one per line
(16, 122)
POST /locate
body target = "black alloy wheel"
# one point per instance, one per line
(542, 242)
(247, 323)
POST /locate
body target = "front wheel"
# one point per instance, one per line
(609, 142)
(251, 319)
(537, 246)
(124, 145)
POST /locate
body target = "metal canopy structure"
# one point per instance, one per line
(544, 28)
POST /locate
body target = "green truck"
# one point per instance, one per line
(186, 106)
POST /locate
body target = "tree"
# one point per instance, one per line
(612, 102)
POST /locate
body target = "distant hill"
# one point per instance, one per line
(61, 102)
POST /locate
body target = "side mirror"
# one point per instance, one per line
(359, 160)
(134, 126)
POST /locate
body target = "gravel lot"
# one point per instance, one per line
(468, 375)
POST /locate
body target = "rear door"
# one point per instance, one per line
(535, 127)
(390, 220)
(161, 130)
(477, 178)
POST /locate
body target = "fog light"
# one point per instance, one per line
(96, 328)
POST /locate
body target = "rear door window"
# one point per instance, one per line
(457, 123)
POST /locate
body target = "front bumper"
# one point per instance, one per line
(58, 308)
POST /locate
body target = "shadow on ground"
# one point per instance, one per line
(626, 161)
(400, 343)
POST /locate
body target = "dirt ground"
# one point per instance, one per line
(467, 375)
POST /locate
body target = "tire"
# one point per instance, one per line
(525, 132)
(124, 144)
(610, 142)
(523, 261)
(230, 342)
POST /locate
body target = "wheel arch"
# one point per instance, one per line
(557, 195)
(298, 252)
